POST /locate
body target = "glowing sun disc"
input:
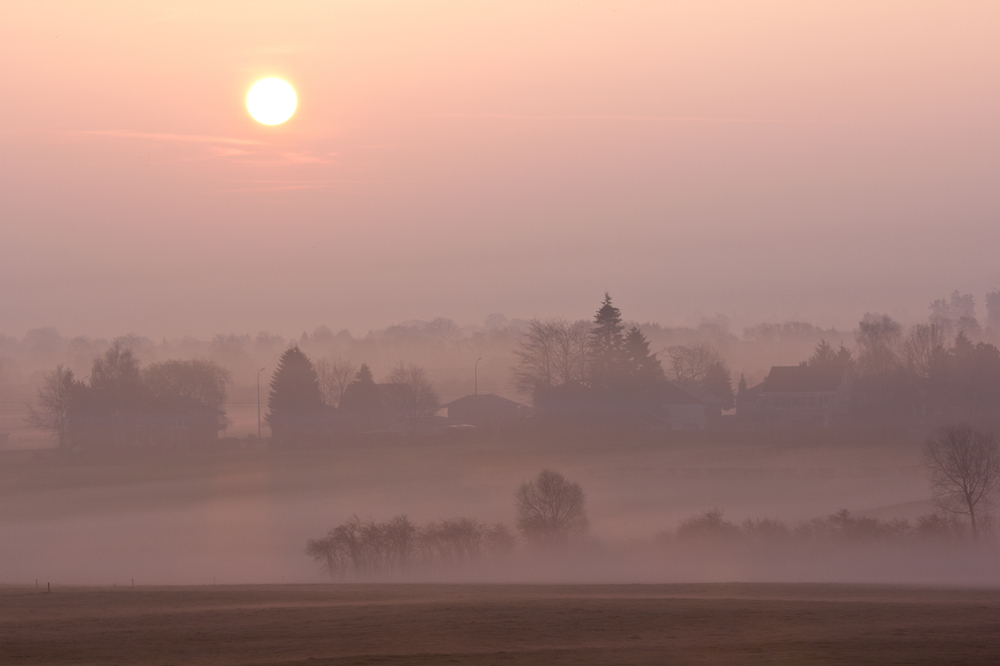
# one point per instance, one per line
(271, 101)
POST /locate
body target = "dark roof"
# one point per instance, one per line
(483, 401)
(800, 379)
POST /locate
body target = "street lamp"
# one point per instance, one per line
(258, 403)
(475, 369)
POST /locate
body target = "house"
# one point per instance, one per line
(798, 392)
(688, 407)
(484, 410)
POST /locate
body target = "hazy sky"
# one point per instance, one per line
(763, 160)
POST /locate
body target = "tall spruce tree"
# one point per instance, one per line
(361, 397)
(642, 367)
(295, 404)
(607, 343)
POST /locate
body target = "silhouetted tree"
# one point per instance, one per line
(295, 404)
(956, 314)
(117, 393)
(879, 340)
(690, 365)
(58, 395)
(416, 392)
(825, 357)
(642, 368)
(924, 343)
(198, 381)
(719, 383)
(967, 376)
(607, 342)
(334, 378)
(551, 353)
(361, 397)
(993, 310)
(964, 470)
(550, 509)
(882, 381)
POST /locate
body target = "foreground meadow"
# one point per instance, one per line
(499, 624)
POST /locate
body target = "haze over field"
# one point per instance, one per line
(540, 300)
(772, 161)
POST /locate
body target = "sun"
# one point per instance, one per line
(271, 101)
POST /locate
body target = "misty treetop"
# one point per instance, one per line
(170, 402)
(607, 370)
(308, 406)
(295, 402)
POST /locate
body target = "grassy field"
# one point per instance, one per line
(459, 624)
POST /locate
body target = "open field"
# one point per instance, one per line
(459, 624)
(243, 515)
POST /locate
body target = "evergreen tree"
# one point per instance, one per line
(362, 395)
(642, 367)
(823, 356)
(295, 403)
(718, 381)
(607, 343)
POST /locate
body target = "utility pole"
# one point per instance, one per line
(258, 404)
(475, 369)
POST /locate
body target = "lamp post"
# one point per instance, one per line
(258, 403)
(475, 369)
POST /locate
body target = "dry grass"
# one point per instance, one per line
(420, 624)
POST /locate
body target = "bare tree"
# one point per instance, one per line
(923, 343)
(571, 344)
(55, 400)
(964, 470)
(334, 377)
(536, 356)
(455, 540)
(551, 353)
(691, 365)
(418, 394)
(879, 340)
(550, 509)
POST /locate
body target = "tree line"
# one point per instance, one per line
(550, 513)
(124, 403)
(307, 403)
(602, 368)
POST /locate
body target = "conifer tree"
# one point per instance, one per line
(361, 396)
(642, 367)
(607, 343)
(718, 382)
(295, 403)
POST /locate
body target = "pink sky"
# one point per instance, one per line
(763, 160)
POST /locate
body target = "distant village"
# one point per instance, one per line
(591, 375)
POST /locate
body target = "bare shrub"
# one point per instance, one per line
(963, 466)
(941, 526)
(499, 539)
(843, 526)
(550, 509)
(455, 540)
(766, 529)
(708, 525)
(370, 548)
